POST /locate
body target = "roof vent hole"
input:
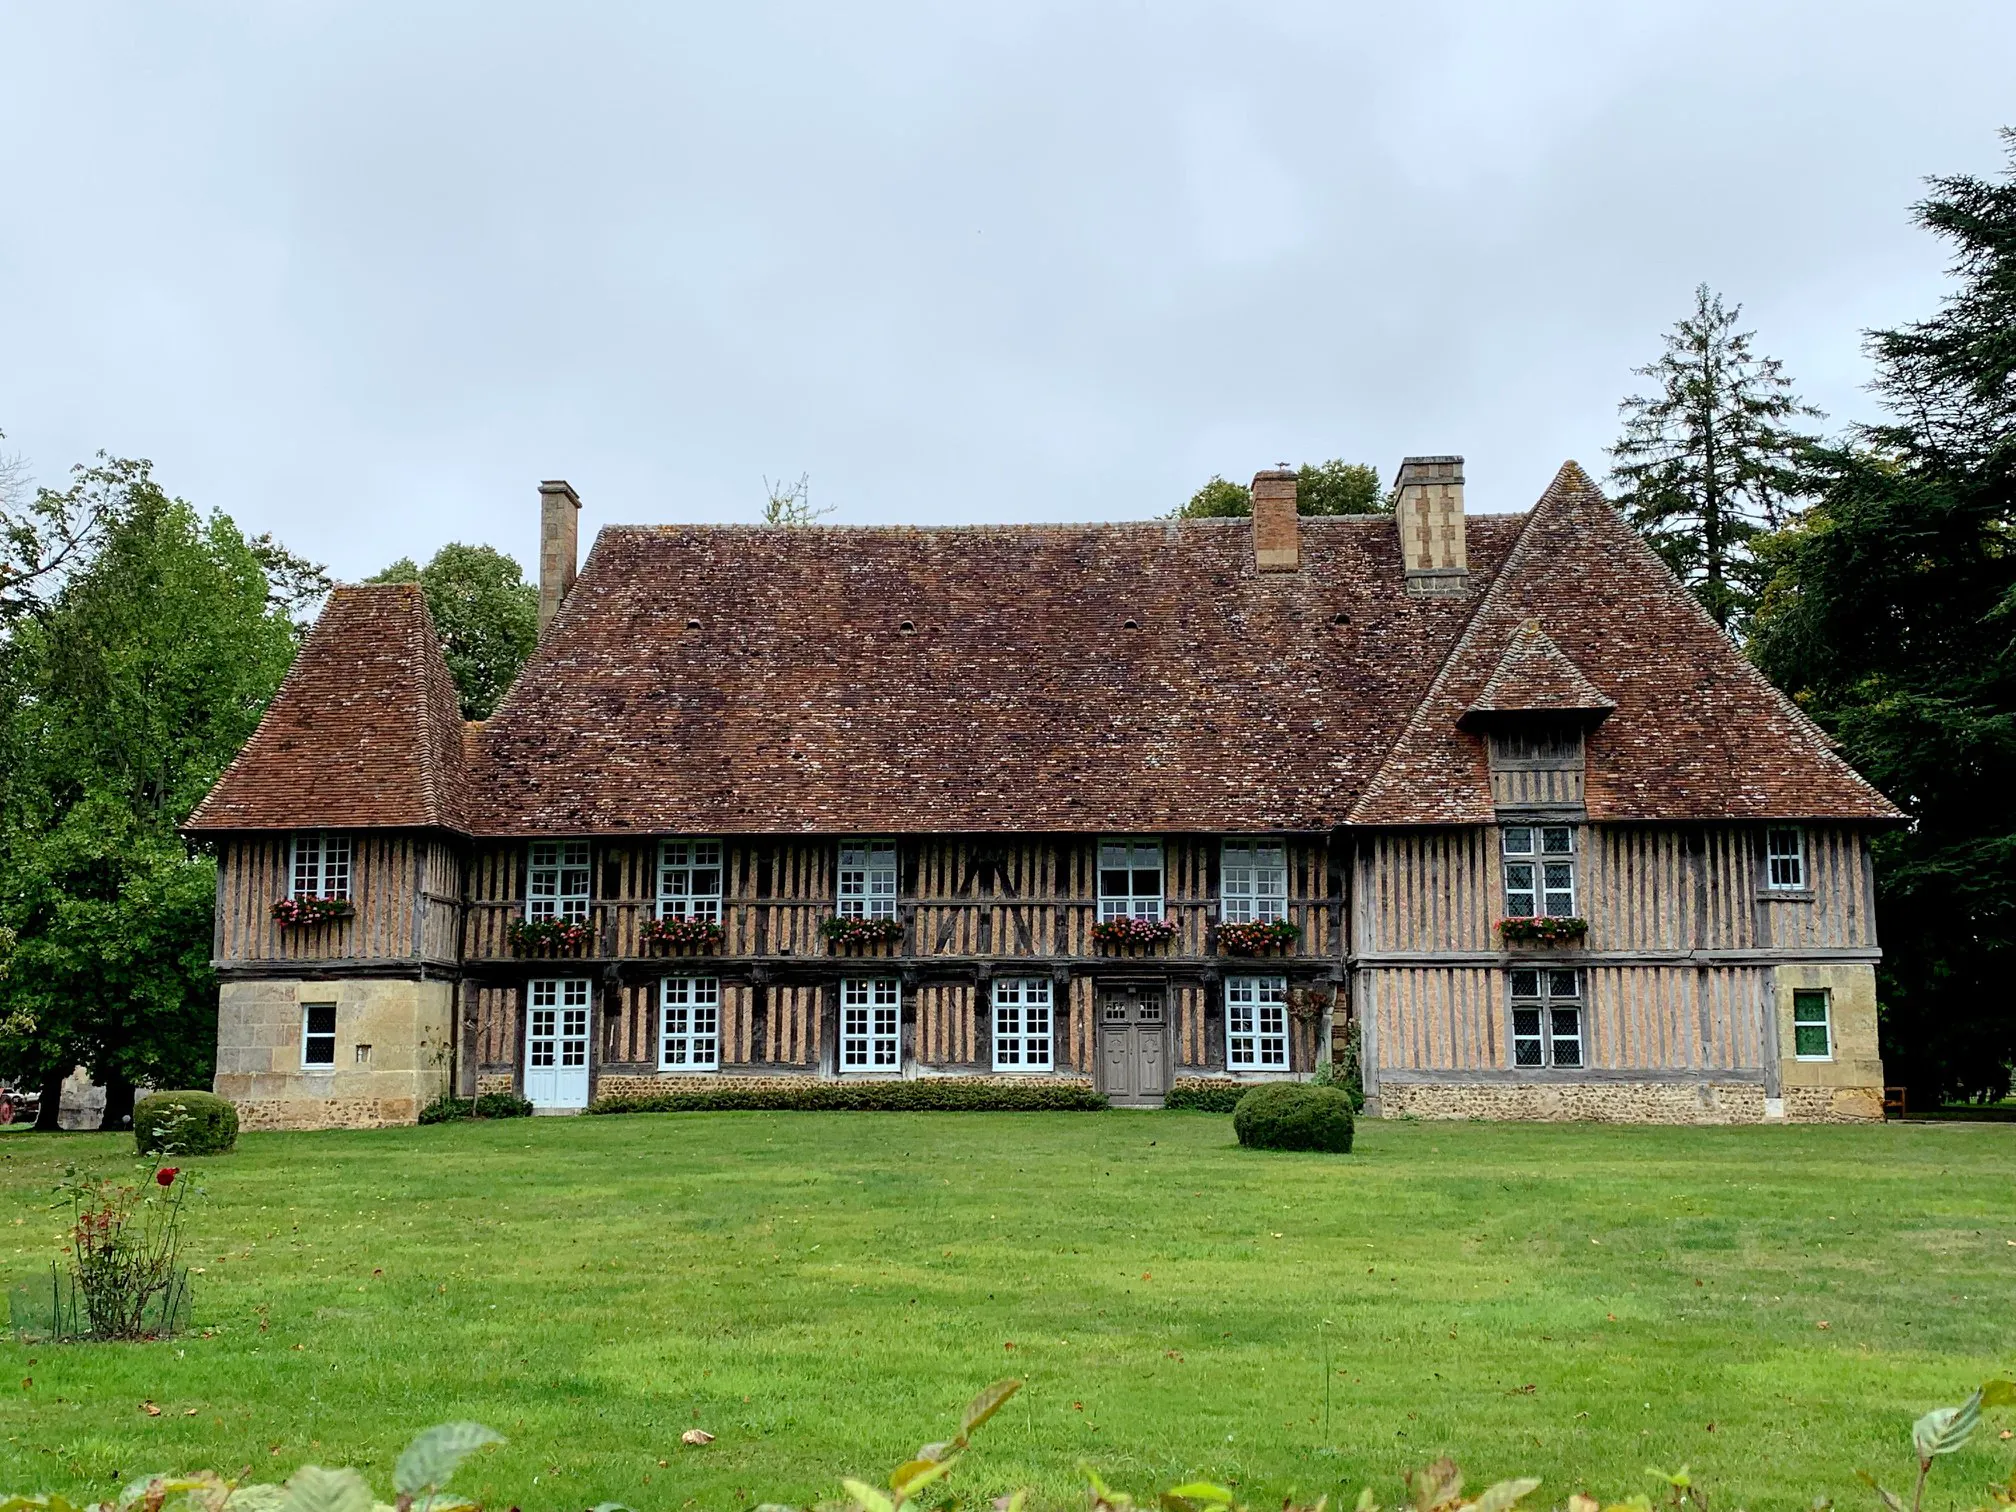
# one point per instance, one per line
(1340, 618)
(692, 624)
(907, 628)
(1132, 625)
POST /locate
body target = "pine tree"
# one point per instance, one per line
(1708, 461)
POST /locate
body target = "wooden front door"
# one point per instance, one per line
(1133, 1046)
(556, 1043)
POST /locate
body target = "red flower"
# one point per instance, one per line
(166, 1175)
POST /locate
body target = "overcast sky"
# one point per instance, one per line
(363, 274)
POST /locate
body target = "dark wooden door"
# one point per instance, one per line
(1133, 1047)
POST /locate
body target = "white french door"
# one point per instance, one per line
(556, 1043)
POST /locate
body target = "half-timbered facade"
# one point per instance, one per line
(1132, 804)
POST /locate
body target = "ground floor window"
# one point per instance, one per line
(1022, 1024)
(1812, 1030)
(871, 1014)
(689, 1024)
(557, 1025)
(1546, 1017)
(1256, 1023)
(318, 1034)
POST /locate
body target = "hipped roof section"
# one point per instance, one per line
(365, 732)
(1698, 733)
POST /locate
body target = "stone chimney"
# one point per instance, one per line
(1277, 534)
(1428, 503)
(559, 545)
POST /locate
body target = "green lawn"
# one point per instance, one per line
(823, 1291)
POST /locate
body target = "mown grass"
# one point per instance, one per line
(823, 1291)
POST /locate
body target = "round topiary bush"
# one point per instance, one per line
(1293, 1116)
(184, 1123)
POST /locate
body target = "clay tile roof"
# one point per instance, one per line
(364, 733)
(1533, 677)
(1121, 677)
(1698, 733)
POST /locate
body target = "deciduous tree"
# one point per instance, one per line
(1335, 487)
(486, 614)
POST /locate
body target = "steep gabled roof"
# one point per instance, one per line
(1698, 733)
(365, 732)
(1533, 677)
(1123, 677)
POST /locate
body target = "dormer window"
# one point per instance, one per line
(557, 881)
(321, 866)
(867, 880)
(1785, 860)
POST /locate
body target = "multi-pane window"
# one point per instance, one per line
(689, 1023)
(871, 1024)
(1022, 1023)
(1253, 882)
(558, 1032)
(318, 1034)
(321, 866)
(868, 879)
(556, 881)
(1546, 1017)
(1812, 1032)
(1539, 870)
(1785, 859)
(1256, 1023)
(689, 880)
(1130, 879)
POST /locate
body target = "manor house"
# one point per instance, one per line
(1486, 796)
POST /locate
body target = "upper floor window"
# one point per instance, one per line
(871, 1016)
(1812, 1028)
(689, 880)
(1546, 1018)
(1785, 859)
(1022, 1023)
(689, 1024)
(321, 866)
(868, 880)
(557, 881)
(1540, 870)
(1130, 879)
(1256, 1023)
(1253, 882)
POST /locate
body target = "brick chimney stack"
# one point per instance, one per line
(559, 545)
(1277, 534)
(1428, 505)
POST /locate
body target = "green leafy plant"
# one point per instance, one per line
(184, 1123)
(1542, 929)
(1124, 932)
(1943, 1431)
(1294, 1116)
(1344, 1070)
(447, 1107)
(1202, 1094)
(547, 937)
(681, 936)
(937, 1095)
(296, 913)
(1252, 939)
(931, 1463)
(124, 1249)
(861, 931)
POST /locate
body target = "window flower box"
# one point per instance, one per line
(1543, 929)
(842, 932)
(1256, 939)
(681, 936)
(298, 913)
(1124, 933)
(548, 937)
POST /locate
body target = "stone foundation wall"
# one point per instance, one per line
(1834, 1104)
(1577, 1102)
(391, 1052)
(675, 1081)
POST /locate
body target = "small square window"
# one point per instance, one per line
(1785, 860)
(1812, 1026)
(318, 1035)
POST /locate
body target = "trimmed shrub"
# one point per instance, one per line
(1201, 1096)
(447, 1108)
(184, 1123)
(946, 1096)
(1293, 1116)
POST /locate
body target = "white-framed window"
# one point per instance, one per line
(1253, 882)
(558, 1032)
(1539, 870)
(871, 1017)
(1256, 1023)
(1546, 1017)
(868, 879)
(1130, 879)
(689, 1024)
(689, 880)
(321, 866)
(1785, 859)
(557, 880)
(1812, 1024)
(1022, 1039)
(318, 1036)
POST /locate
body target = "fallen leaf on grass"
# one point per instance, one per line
(1823, 1323)
(696, 1436)
(188, 1412)
(150, 1409)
